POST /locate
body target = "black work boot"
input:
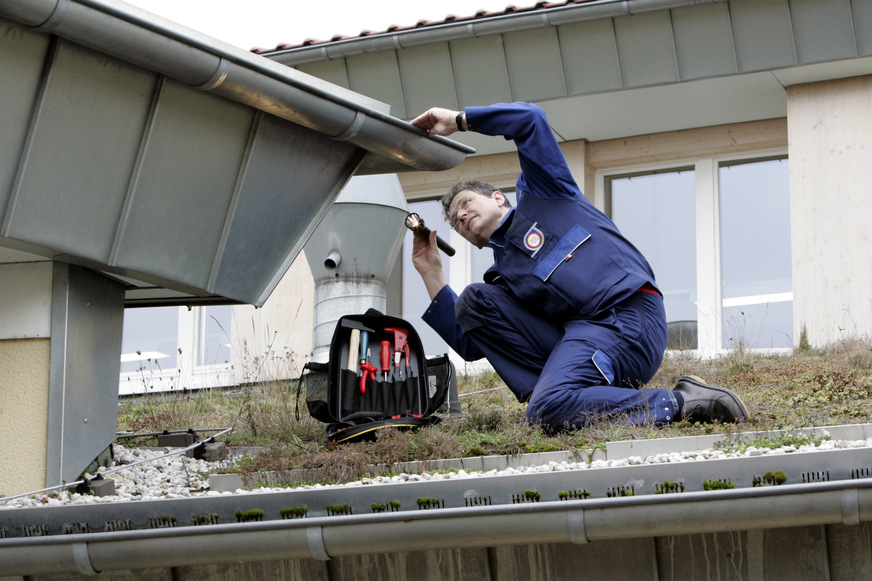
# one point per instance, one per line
(707, 403)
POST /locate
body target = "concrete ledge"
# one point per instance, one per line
(643, 448)
(232, 482)
(613, 451)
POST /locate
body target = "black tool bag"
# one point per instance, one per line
(359, 391)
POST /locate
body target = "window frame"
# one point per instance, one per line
(187, 373)
(708, 240)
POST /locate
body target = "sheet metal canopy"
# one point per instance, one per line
(190, 169)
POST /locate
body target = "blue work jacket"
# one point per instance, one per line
(555, 251)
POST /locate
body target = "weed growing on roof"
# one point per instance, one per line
(709, 485)
(294, 512)
(774, 442)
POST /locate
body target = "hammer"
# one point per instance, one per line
(355, 354)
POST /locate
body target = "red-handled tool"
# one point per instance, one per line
(368, 370)
(400, 343)
(385, 359)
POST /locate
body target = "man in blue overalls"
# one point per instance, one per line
(569, 315)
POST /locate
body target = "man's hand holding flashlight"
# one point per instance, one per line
(428, 262)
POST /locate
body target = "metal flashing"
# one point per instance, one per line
(194, 170)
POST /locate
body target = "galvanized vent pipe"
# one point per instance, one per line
(352, 251)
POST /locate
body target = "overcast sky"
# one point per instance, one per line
(268, 23)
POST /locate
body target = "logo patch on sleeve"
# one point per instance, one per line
(533, 239)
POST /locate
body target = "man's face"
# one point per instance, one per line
(476, 217)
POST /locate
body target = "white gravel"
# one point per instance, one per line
(177, 476)
(165, 476)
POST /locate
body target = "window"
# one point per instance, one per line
(656, 212)
(168, 348)
(213, 339)
(717, 235)
(150, 339)
(756, 272)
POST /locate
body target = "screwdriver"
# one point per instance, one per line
(364, 347)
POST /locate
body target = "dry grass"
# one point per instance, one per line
(807, 388)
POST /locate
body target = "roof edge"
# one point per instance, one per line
(513, 20)
(156, 44)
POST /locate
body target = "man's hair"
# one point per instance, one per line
(479, 187)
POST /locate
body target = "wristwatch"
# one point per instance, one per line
(459, 121)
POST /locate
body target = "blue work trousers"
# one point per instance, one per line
(575, 371)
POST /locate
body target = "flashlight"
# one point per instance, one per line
(415, 223)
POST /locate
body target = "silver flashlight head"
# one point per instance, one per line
(414, 221)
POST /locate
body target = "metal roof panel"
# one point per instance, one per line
(332, 71)
(534, 64)
(290, 177)
(377, 75)
(480, 70)
(178, 203)
(861, 10)
(809, 17)
(83, 145)
(590, 56)
(646, 49)
(25, 52)
(704, 41)
(763, 35)
(427, 78)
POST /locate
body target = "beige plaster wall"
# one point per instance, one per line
(830, 148)
(274, 341)
(585, 158)
(24, 376)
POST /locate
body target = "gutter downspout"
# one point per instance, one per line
(577, 521)
(145, 40)
(544, 17)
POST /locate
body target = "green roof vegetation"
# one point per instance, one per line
(806, 388)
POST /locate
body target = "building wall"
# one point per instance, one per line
(25, 349)
(830, 130)
(586, 158)
(592, 162)
(24, 377)
(828, 137)
(275, 341)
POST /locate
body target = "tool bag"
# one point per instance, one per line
(377, 377)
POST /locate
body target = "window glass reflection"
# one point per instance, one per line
(756, 269)
(150, 340)
(215, 334)
(657, 213)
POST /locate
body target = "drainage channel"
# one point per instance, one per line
(779, 472)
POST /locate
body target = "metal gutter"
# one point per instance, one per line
(543, 17)
(578, 522)
(137, 37)
(478, 512)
